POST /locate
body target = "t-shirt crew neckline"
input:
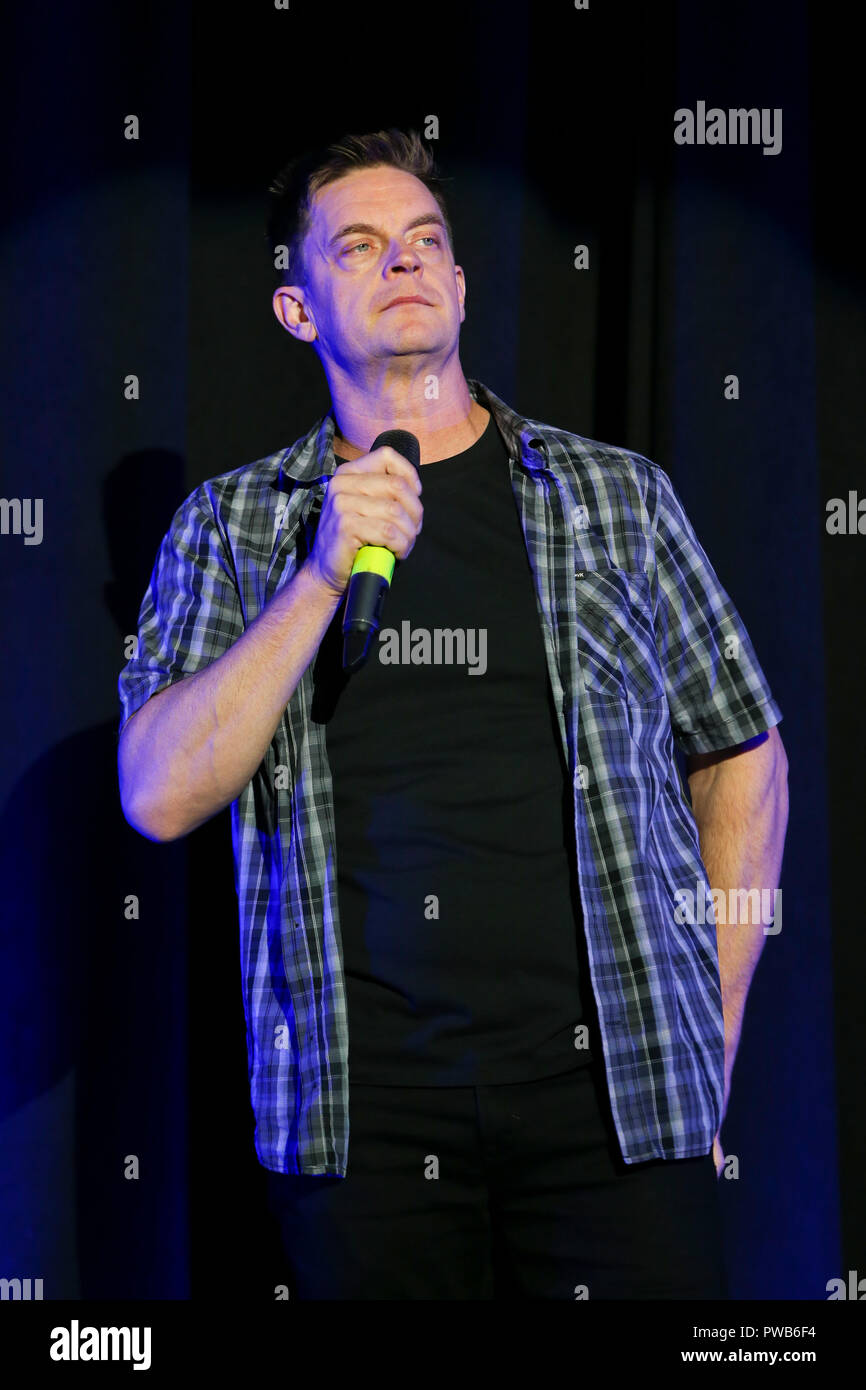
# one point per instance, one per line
(454, 460)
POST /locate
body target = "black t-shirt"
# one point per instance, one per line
(458, 900)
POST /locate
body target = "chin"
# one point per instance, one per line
(413, 339)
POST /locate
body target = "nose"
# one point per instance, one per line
(403, 258)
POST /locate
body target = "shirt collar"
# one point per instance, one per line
(311, 458)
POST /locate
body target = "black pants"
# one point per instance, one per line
(510, 1191)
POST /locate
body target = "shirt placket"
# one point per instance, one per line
(569, 548)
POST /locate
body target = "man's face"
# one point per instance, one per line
(376, 236)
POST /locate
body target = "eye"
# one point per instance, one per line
(357, 245)
(430, 237)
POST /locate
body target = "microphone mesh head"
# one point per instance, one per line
(402, 441)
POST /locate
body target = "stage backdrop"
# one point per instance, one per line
(127, 1166)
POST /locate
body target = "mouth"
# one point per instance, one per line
(408, 299)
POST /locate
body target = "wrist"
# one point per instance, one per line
(317, 582)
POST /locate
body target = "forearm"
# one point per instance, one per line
(741, 811)
(190, 750)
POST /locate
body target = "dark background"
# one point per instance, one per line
(125, 1036)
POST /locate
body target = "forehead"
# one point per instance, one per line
(385, 196)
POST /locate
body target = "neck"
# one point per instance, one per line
(443, 427)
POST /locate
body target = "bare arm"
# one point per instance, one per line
(740, 804)
(190, 750)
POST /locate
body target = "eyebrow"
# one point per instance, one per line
(425, 220)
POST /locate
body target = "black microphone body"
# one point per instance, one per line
(371, 573)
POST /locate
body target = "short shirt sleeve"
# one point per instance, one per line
(191, 611)
(717, 692)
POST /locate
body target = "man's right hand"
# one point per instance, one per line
(371, 500)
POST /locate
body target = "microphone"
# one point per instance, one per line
(371, 573)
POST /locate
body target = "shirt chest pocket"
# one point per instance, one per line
(617, 655)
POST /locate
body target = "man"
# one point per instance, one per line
(461, 870)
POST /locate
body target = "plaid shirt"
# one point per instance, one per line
(645, 651)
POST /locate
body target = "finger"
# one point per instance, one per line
(361, 489)
(377, 485)
(392, 527)
(383, 460)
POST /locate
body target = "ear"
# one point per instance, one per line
(291, 308)
(461, 290)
